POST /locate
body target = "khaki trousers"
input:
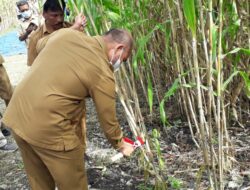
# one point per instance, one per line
(48, 168)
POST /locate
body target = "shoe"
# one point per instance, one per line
(5, 131)
(9, 147)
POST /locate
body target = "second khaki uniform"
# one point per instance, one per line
(47, 106)
(5, 86)
(35, 36)
(5, 94)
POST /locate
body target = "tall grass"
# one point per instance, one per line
(7, 14)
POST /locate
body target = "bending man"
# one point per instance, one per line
(46, 108)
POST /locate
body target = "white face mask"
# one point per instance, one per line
(117, 64)
(26, 14)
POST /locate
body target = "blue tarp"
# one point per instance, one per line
(10, 44)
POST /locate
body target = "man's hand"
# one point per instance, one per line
(126, 148)
(80, 22)
(30, 28)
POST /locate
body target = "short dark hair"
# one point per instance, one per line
(120, 36)
(21, 3)
(54, 5)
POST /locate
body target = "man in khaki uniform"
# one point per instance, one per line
(47, 106)
(5, 94)
(53, 13)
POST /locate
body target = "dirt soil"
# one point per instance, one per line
(183, 161)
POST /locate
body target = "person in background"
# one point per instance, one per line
(53, 13)
(28, 19)
(5, 94)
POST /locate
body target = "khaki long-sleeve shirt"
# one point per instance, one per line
(47, 105)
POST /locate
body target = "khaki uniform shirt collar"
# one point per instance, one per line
(45, 29)
(104, 47)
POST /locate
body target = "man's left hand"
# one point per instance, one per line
(126, 148)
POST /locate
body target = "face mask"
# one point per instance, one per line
(117, 64)
(26, 14)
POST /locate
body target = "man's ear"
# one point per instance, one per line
(119, 47)
(44, 15)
